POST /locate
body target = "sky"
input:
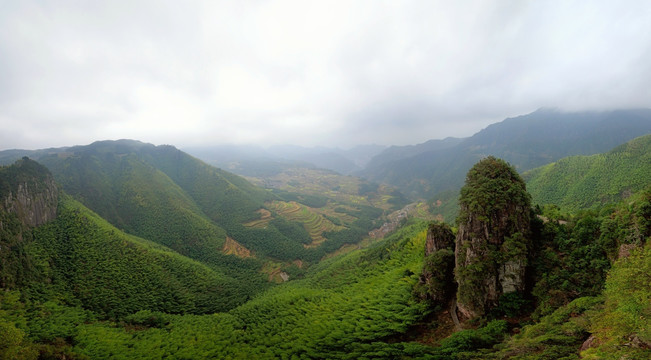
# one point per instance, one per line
(329, 73)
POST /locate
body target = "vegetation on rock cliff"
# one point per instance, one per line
(493, 239)
(437, 277)
(28, 198)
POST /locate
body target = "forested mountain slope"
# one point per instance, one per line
(95, 292)
(526, 142)
(115, 274)
(56, 246)
(344, 308)
(578, 182)
(123, 182)
(362, 305)
(165, 195)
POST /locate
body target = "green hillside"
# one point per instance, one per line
(116, 274)
(224, 197)
(99, 293)
(113, 179)
(362, 305)
(347, 307)
(165, 195)
(579, 182)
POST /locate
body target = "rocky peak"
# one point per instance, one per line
(493, 236)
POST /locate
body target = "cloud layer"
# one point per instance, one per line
(333, 73)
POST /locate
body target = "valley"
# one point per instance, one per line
(123, 249)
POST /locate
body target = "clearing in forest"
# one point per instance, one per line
(232, 247)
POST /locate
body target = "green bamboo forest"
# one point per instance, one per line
(127, 250)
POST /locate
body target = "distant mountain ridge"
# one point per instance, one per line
(525, 141)
(395, 153)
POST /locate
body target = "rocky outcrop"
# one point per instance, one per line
(436, 282)
(590, 342)
(28, 198)
(493, 237)
(30, 193)
(439, 236)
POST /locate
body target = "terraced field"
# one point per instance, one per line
(422, 211)
(265, 217)
(340, 188)
(314, 222)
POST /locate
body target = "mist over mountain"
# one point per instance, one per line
(395, 153)
(436, 166)
(196, 280)
(246, 160)
(525, 141)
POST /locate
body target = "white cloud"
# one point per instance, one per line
(309, 72)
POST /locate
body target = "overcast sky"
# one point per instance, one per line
(334, 73)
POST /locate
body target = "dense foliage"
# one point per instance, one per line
(16, 266)
(436, 282)
(574, 253)
(22, 171)
(115, 274)
(492, 186)
(622, 326)
(579, 182)
(346, 307)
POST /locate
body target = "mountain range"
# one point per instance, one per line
(122, 249)
(526, 142)
(431, 169)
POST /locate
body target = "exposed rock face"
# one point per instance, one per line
(32, 205)
(493, 237)
(589, 343)
(28, 198)
(436, 281)
(625, 250)
(439, 236)
(31, 194)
